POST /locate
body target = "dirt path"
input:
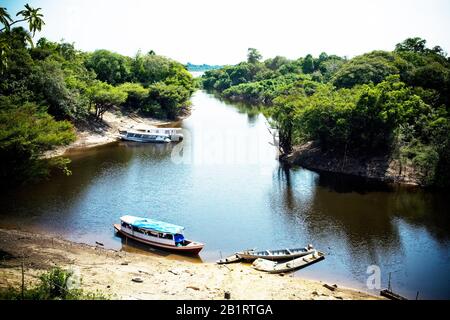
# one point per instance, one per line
(112, 272)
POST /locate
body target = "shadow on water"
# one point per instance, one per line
(361, 223)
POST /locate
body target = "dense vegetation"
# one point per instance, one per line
(380, 103)
(52, 285)
(47, 87)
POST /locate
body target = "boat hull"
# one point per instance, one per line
(144, 140)
(289, 266)
(192, 248)
(250, 256)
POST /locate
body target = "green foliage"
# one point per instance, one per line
(380, 103)
(54, 81)
(26, 132)
(52, 285)
(136, 95)
(105, 96)
(265, 91)
(110, 67)
(166, 100)
(373, 67)
(253, 55)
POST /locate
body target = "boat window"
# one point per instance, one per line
(153, 234)
(167, 236)
(136, 229)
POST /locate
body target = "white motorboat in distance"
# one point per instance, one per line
(148, 134)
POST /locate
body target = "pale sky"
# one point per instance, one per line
(220, 31)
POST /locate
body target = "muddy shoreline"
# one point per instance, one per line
(378, 169)
(112, 271)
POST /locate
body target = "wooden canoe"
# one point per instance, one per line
(231, 259)
(289, 266)
(281, 254)
(391, 295)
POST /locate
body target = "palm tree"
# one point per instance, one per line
(5, 18)
(34, 18)
(31, 15)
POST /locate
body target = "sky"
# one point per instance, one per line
(221, 31)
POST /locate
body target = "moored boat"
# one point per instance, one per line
(156, 233)
(147, 134)
(281, 254)
(289, 266)
(231, 259)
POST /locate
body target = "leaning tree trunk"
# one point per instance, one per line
(285, 137)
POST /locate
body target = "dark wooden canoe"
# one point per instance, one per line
(391, 295)
(281, 254)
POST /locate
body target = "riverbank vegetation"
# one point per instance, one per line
(48, 88)
(380, 103)
(55, 284)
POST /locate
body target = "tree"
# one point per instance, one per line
(136, 95)
(308, 64)
(253, 55)
(26, 132)
(373, 67)
(35, 23)
(104, 96)
(417, 45)
(30, 15)
(109, 66)
(166, 100)
(5, 18)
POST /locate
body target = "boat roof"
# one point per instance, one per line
(151, 224)
(146, 133)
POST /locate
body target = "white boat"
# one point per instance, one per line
(157, 233)
(147, 134)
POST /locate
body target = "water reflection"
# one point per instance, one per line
(360, 223)
(232, 205)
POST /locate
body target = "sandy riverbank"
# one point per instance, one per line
(163, 278)
(93, 134)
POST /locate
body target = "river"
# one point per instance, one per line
(225, 185)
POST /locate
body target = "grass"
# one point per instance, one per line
(55, 284)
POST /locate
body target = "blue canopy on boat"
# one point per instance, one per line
(155, 225)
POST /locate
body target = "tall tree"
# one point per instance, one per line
(253, 55)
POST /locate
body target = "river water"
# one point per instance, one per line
(225, 185)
